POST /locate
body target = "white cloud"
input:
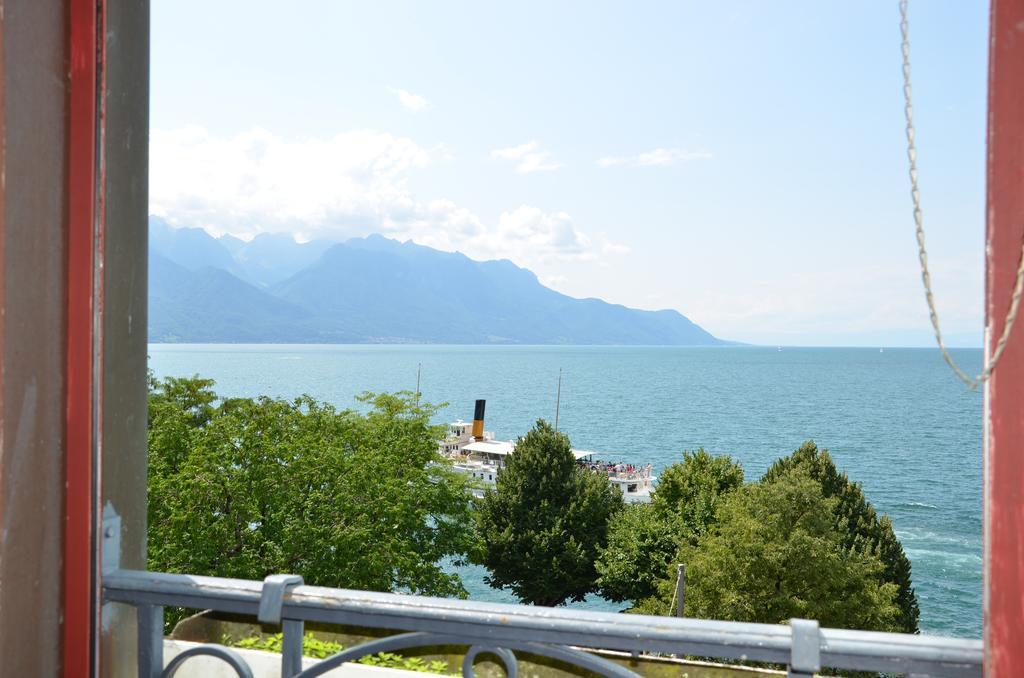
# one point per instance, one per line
(554, 281)
(256, 181)
(608, 247)
(349, 185)
(526, 235)
(659, 157)
(549, 235)
(528, 157)
(413, 102)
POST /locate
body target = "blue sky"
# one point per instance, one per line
(741, 162)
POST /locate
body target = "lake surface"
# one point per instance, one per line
(896, 421)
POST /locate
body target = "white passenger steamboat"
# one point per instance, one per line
(475, 452)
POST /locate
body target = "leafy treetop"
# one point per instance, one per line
(776, 554)
(644, 539)
(859, 524)
(540, 530)
(248, 487)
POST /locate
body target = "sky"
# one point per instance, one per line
(741, 162)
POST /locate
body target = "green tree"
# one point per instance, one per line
(644, 539)
(541, 528)
(641, 542)
(776, 554)
(245, 488)
(859, 524)
(692, 490)
(192, 396)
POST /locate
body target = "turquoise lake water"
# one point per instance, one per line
(897, 421)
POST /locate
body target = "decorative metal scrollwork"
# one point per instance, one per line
(504, 652)
(227, 655)
(508, 659)
(389, 644)
(576, 657)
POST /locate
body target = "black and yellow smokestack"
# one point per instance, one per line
(478, 420)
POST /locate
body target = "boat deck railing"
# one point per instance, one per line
(638, 473)
(478, 464)
(625, 476)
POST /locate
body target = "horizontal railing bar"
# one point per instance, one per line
(494, 622)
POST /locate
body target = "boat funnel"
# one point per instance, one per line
(478, 420)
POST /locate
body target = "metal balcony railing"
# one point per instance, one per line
(502, 630)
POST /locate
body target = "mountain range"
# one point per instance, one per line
(373, 290)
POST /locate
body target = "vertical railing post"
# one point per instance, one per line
(271, 605)
(680, 589)
(291, 647)
(805, 652)
(151, 640)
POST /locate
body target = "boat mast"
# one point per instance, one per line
(558, 398)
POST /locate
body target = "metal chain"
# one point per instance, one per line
(926, 278)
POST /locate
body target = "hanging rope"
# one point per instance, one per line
(672, 605)
(926, 278)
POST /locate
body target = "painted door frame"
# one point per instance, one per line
(1004, 401)
(84, 341)
(1004, 395)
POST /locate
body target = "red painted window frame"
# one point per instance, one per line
(83, 293)
(1004, 416)
(1004, 397)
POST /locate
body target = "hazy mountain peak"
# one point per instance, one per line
(376, 289)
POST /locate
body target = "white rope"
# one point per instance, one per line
(926, 278)
(672, 605)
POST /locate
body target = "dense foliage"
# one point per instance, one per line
(861, 527)
(692, 490)
(541, 529)
(245, 488)
(776, 553)
(802, 542)
(644, 539)
(640, 545)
